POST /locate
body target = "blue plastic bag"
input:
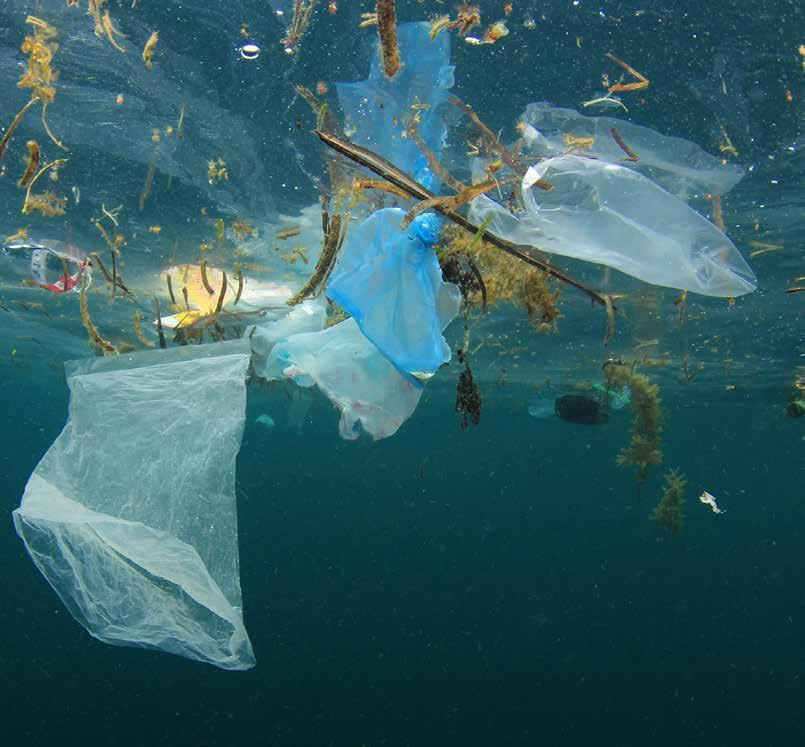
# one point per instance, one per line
(378, 110)
(389, 280)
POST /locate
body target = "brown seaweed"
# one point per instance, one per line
(387, 31)
(669, 512)
(468, 396)
(239, 274)
(34, 159)
(630, 154)
(640, 83)
(160, 331)
(205, 281)
(645, 447)
(148, 50)
(47, 202)
(299, 21)
(93, 333)
(331, 244)
(13, 126)
(222, 294)
(138, 330)
(170, 288)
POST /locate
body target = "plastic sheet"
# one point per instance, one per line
(353, 374)
(388, 278)
(378, 109)
(609, 214)
(677, 165)
(131, 516)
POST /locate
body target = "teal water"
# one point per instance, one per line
(501, 585)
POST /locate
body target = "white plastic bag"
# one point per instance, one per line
(606, 213)
(354, 375)
(131, 516)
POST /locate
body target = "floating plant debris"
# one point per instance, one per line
(148, 50)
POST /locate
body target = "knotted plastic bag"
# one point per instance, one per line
(131, 516)
(609, 214)
(389, 280)
(678, 166)
(353, 374)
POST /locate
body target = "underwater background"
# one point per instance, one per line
(498, 585)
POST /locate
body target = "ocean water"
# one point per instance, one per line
(504, 584)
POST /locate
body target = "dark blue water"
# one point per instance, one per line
(503, 585)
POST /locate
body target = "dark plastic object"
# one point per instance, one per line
(578, 408)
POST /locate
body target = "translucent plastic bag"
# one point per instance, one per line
(353, 374)
(677, 165)
(605, 213)
(388, 278)
(130, 515)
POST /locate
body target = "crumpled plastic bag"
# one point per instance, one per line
(377, 110)
(606, 213)
(131, 515)
(389, 280)
(353, 374)
(678, 166)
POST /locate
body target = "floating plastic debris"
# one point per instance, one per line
(709, 500)
(389, 280)
(378, 109)
(137, 532)
(265, 421)
(677, 165)
(617, 399)
(52, 265)
(581, 409)
(540, 406)
(367, 389)
(607, 213)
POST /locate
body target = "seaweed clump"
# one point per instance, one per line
(502, 277)
(39, 75)
(645, 447)
(669, 511)
(468, 397)
(539, 296)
